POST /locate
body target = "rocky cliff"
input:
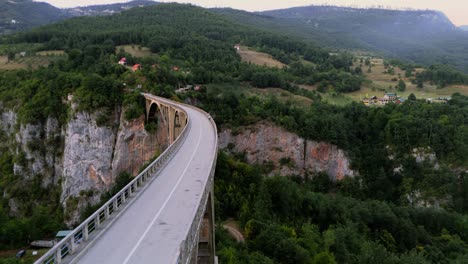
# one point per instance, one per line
(80, 157)
(290, 154)
(94, 156)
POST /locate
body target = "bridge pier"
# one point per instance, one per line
(206, 247)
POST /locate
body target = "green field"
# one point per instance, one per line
(135, 50)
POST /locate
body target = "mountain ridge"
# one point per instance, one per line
(18, 15)
(421, 36)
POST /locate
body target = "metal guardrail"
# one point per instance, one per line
(76, 241)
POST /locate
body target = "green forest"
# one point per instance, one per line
(308, 219)
(296, 220)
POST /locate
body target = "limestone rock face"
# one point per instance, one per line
(289, 153)
(8, 122)
(321, 156)
(135, 146)
(80, 156)
(95, 155)
(87, 156)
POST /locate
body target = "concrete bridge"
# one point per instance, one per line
(166, 213)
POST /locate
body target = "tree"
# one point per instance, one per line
(358, 70)
(368, 62)
(420, 83)
(401, 86)
(412, 97)
(11, 56)
(408, 73)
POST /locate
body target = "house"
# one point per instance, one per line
(400, 100)
(175, 68)
(136, 67)
(197, 88)
(237, 47)
(123, 61)
(388, 98)
(62, 234)
(23, 53)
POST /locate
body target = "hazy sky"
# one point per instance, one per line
(456, 10)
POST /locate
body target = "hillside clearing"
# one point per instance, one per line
(384, 82)
(50, 53)
(258, 58)
(135, 50)
(282, 95)
(32, 62)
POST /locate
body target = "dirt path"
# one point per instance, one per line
(233, 230)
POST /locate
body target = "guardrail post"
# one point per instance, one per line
(116, 205)
(97, 221)
(86, 232)
(123, 197)
(58, 256)
(73, 245)
(107, 212)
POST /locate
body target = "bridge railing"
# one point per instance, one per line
(76, 241)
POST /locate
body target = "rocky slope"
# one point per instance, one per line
(80, 157)
(290, 154)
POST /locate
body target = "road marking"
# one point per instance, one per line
(164, 205)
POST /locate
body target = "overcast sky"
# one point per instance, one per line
(456, 10)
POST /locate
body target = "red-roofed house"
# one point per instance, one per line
(123, 61)
(136, 67)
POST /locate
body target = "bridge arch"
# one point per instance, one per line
(154, 112)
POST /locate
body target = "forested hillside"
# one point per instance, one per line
(18, 15)
(408, 203)
(426, 37)
(109, 9)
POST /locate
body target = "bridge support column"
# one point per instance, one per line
(206, 241)
(171, 118)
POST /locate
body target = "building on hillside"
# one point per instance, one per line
(400, 100)
(123, 61)
(388, 98)
(62, 234)
(237, 47)
(136, 67)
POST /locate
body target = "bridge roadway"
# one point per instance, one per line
(152, 229)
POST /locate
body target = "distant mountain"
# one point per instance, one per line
(99, 10)
(465, 28)
(16, 15)
(425, 37)
(23, 14)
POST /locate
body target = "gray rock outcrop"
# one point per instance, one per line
(291, 154)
